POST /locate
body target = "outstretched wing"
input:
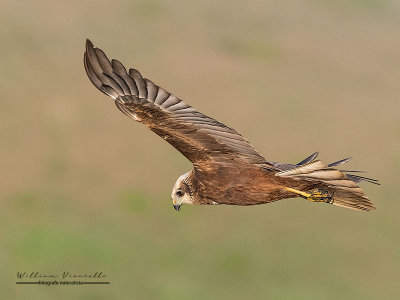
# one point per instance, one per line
(199, 138)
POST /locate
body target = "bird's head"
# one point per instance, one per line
(181, 192)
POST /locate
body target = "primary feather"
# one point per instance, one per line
(196, 135)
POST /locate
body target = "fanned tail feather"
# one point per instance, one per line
(352, 199)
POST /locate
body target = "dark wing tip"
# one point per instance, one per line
(309, 159)
(89, 44)
(91, 72)
(98, 68)
(357, 179)
(342, 161)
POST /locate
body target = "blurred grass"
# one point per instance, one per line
(84, 189)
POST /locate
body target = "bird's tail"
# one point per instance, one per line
(330, 185)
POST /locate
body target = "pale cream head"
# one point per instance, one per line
(181, 193)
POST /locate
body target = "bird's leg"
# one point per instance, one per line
(300, 193)
(316, 195)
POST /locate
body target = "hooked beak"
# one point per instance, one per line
(177, 207)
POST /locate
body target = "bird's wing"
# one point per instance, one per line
(284, 167)
(353, 177)
(199, 138)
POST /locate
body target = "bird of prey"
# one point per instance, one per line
(226, 167)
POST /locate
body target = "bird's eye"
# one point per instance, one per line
(179, 193)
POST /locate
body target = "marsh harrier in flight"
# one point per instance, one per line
(226, 167)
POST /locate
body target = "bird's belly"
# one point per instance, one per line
(243, 186)
(240, 195)
(244, 193)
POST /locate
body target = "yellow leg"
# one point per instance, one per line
(303, 194)
(317, 195)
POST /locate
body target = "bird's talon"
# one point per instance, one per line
(321, 195)
(316, 195)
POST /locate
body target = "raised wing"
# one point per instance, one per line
(201, 139)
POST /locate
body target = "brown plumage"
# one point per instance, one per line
(227, 169)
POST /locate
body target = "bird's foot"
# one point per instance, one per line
(321, 195)
(316, 195)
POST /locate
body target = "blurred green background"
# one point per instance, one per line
(85, 189)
